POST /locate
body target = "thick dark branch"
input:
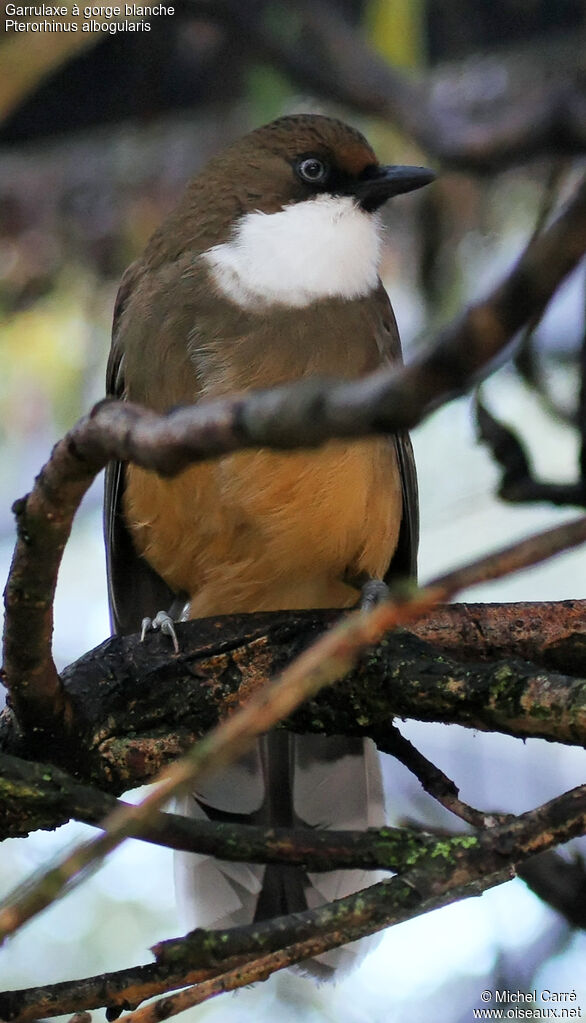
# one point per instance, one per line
(144, 733)
(303, 414)
(548, 633)
(33, 793)
(119, 741)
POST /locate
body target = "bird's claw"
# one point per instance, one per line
(373, 592)
(163, 622)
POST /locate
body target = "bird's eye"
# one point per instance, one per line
(312, 170)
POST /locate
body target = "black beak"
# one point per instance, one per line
(377, 184)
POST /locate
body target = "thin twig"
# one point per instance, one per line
(119, 991)
(518, 482)
(434, 781)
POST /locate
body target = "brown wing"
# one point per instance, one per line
(404, 561)
(134, 589)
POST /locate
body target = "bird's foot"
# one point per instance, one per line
(373, 592)
(163, 622)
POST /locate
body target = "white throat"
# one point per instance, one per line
(325, 247)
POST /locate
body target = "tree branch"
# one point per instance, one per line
(432, 779)
(118, 741)
(518, 483)
(477, 860)
(121, 742)
(25, 785)
(450, 869)
(121, 989)
(326, 661)
(559, 882)
(549, 633)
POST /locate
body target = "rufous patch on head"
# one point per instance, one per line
(354, 157)
(300, 133)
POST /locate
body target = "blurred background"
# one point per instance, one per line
(99, 132)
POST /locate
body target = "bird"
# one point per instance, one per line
(266, 272)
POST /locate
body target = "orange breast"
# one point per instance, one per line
(266, 531)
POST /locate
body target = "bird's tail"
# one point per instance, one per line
(286, 781)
